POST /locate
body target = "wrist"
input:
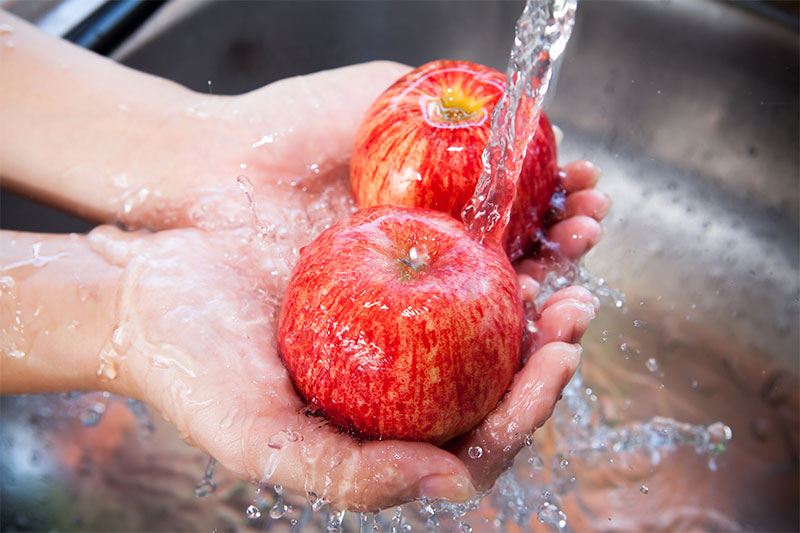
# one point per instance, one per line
(58, 300)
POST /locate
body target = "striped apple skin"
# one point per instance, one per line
(407, 153)
(386, 351)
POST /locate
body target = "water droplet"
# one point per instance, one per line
(718, 436)
(117, 336)
(91, 416)
(278, 510)
(550, 513)
(16, 354)
(652, 365)
(315, 501)
(266, 139)
(6, 283)
(244, 183)
(108, 367)
(278, 488)
(475, 452)
(643, 489)
(253, 513)
(335, 522)
(277, 441)
(564, 463)
(204, 487)
(464, 527)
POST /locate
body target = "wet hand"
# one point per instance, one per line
(304, 180)
(241, 185)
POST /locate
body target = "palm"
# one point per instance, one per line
(206, 358)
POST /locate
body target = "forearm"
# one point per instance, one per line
(79, 131)
(58, 303)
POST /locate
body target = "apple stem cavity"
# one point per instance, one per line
(456, 105)
(416, 259)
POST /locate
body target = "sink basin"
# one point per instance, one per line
(691, 110)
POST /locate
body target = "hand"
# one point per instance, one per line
(223, 384)
(553, 348)
(192, 309)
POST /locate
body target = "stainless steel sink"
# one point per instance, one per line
(689, 107)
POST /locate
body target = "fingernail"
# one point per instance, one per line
(589, 309)
(582, 323)
(572, 361)
(597, 238)
(446, 487)
(528, 288)
(594, 167)
(603, 211)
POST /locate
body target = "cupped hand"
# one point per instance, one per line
(201, 296)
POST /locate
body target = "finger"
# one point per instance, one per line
(529, 403)
(528, 288)
(359, 476)
(392, 472)
(575, 236)
(564, 321)
(580, 175)
(575, 292)
(535, 269)
(536, 388)
(588, 202)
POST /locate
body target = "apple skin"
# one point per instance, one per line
(421, 143)
(392, 345)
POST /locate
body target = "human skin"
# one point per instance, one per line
(180, 310)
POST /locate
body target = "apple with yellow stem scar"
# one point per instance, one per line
(421, 144)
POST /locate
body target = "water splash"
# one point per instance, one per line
(278, 510)
(206, 485)
(244, 183)
(550, 513)
(93, 414)
(253, 513)
(541, 37)
(335, 521)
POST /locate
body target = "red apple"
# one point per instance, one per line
(421, 143)
(397, 324)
